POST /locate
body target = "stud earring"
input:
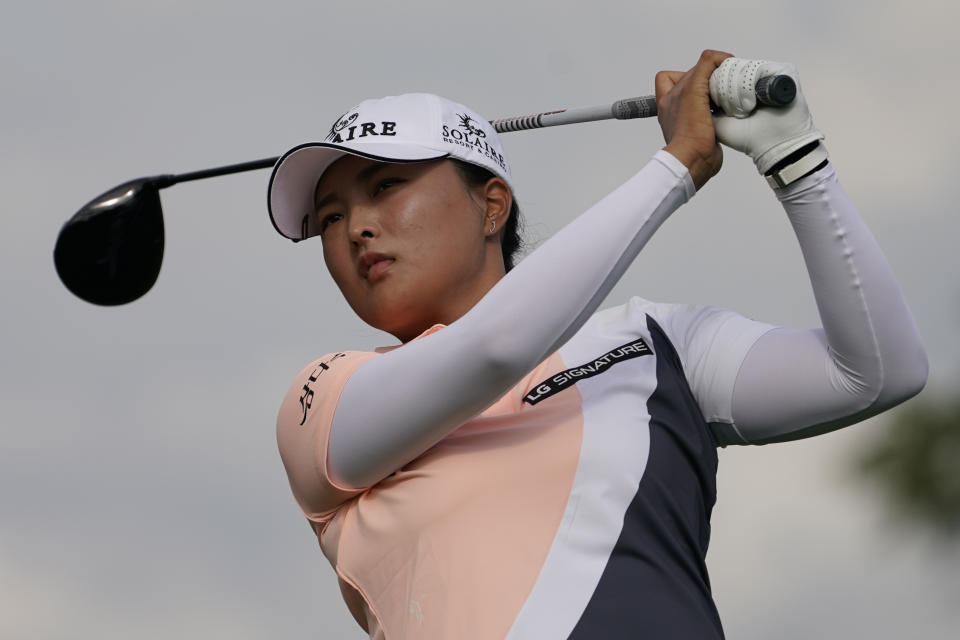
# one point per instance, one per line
(493, 225)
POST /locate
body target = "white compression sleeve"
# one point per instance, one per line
(867, 357)
(398, 405)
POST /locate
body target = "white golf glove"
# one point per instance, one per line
(769, 134)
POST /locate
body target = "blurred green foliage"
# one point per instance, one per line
(916, 463)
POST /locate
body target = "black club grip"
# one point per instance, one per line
(776, 91)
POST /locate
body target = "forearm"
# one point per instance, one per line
(868, 355)
(529, 314)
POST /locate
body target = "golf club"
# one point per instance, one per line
(110, 252)
(772, 91)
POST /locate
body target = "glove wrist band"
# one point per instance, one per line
(792, 172)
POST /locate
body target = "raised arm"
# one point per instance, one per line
(397, 405)
(428, 387)
(868, 355)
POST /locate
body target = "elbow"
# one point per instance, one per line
(899, 375)
(906, 376)
(916, 374)
(501, 368)
(506, 355)
(498, 349)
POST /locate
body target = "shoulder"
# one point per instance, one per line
(674, 318)
(303, 430)
(319, 380)
(692, 329)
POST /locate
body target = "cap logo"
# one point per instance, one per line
(466, 134)
(342, 123)
(465, 123)
(344, 129)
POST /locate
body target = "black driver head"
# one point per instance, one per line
(109, 253)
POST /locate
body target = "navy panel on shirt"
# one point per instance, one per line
(655, 583)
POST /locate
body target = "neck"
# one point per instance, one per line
(458, 302)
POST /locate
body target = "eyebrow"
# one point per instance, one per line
(362, 175)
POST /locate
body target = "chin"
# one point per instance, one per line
(392, 322)
(402, 311)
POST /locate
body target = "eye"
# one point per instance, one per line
(328, 219)
(385, 184)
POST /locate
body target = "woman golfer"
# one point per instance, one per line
(524, 465)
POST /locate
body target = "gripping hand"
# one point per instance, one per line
(766, 134)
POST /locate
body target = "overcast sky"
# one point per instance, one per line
(142, 494)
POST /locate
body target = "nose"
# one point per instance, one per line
(363, 224)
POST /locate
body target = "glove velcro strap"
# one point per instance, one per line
(793, 172)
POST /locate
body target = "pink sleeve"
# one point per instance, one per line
(303, 430)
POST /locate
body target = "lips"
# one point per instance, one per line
(377, 269)
(373, 266)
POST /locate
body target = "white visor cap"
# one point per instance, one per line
(408, 128)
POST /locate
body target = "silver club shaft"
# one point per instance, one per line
(625, 109)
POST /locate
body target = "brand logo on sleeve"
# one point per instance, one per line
(564, 379)
(306, 400)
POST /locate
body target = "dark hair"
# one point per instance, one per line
(511, 242)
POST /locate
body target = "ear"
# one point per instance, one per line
(497, 201)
